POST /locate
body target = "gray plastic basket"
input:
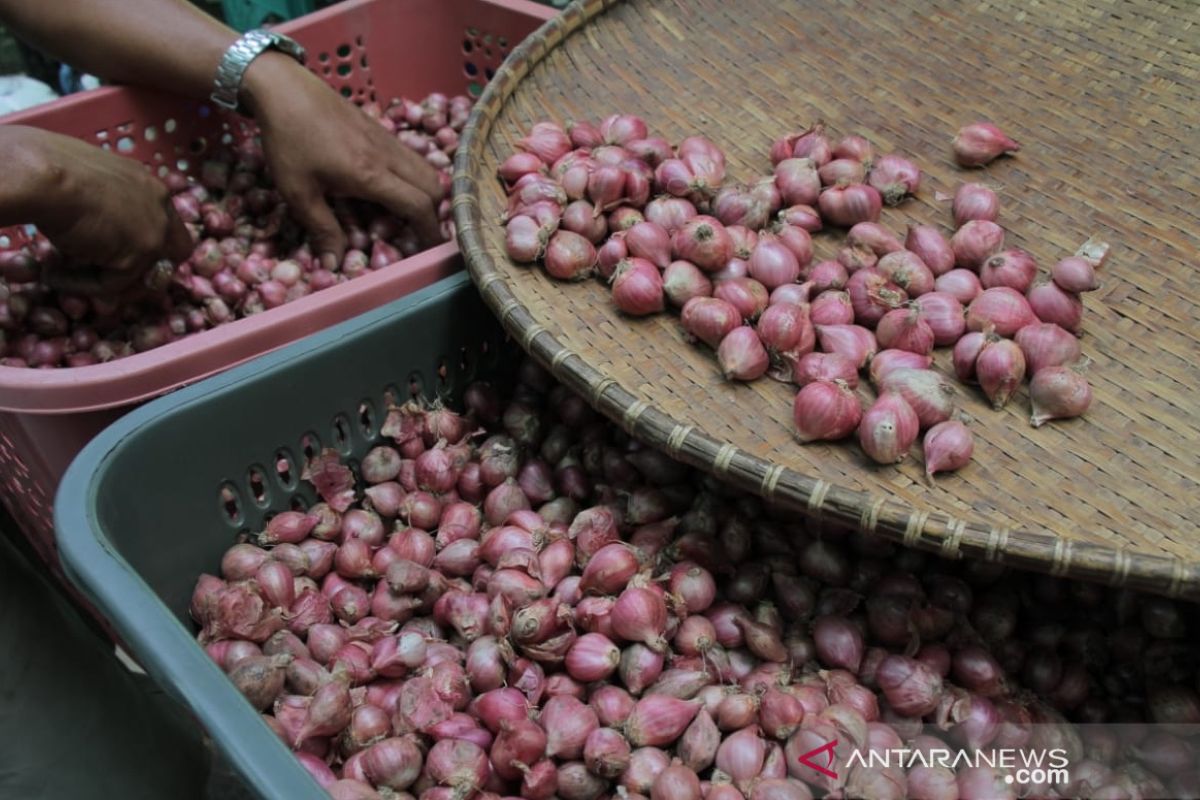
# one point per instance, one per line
(140, 513)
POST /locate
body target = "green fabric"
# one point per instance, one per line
(74, 723)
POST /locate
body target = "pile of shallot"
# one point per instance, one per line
(250, 254)
(522, 601)
(660, 224)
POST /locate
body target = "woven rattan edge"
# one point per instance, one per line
(926, 529)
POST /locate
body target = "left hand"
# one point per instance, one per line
(318, 144)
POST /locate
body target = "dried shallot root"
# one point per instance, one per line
(250, 254)
(519, 600)
(665, 230)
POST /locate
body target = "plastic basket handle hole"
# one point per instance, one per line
(341, 432)
(231, 503)
(366, 420)
(283, 469)
(310, 445)
(257, 485)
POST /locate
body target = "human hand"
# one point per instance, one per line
(319, 145)
(108, 217)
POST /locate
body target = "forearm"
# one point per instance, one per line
(168, 44)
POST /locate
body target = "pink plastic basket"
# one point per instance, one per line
(367, 50)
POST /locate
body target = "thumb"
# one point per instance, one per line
(326, 237)
(177, 242)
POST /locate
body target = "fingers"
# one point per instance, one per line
(326, 236)
(410, 203)
(414, 169)
(90, 281)
(177, 244)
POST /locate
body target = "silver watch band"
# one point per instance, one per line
(240, 55)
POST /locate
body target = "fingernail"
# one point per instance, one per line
(329, 262)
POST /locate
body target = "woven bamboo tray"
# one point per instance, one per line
(1106, 100)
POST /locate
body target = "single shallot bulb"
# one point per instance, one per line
(738, 206)
(703, 241)
(826, 275)
(931, 247)
(825, 411)
(962, 284)
(975, 242)
(580, 218)
(948, 446)
(842, 171)
(640, 615)
(683, 280)
(929, 393)
(886, 361)
(547, 141)
(523, 239)
(1045, 344)
(831, 307)
(855, 147)
(772, 264)
(709, 319)
(610, 254)
(946, 316)
(649, 241)
(620, 129)
(974, 201)
(873, 237)
(606, 187)
(966, 353)
(1075, 274)
(825, 367)
(895, 177)
(981, 142)
(798, 181)
(747, 295)
(671, 213)
(518, 165)
(569, 256)
(910, 686)
(742, 356)
(888, 429)
(1003, 309)
(1013, 268)
(802, 216)
(1058, 393)
(852, 341)
(905, 269)
(1000, 369)
(786, 332)
(1050, 303)
(845, 206)
(905, 329)
(637, 287)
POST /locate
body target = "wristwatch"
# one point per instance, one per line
(237, 60)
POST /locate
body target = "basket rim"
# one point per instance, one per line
(927, 528)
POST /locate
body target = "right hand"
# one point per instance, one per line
(108, 216)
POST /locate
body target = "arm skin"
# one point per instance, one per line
(316, 143)
(168, 44)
